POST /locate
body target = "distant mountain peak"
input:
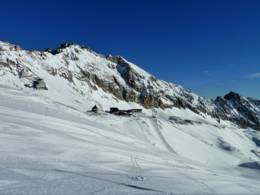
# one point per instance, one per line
(232, 96)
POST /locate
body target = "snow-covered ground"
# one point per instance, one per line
(49, 144)
(51, 148)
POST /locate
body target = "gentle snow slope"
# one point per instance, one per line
(50, 148)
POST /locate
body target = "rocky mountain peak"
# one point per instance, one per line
(233, 96)
(104, 80)
(241, 110)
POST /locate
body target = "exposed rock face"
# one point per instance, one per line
(86, 71)
(148, 93)
(243, 111)
(131, 77)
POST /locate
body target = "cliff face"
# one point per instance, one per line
(243, 111)
(113, 79)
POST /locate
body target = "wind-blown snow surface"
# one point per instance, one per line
(49, 144)
(50, 148)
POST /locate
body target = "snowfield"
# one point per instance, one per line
(50, 144)
(51, 148)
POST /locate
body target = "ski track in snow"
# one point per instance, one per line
(50, 149)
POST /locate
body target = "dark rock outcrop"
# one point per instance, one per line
(240, 110)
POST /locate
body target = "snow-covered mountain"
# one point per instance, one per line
(93, 76)
(112, 80)
(181, 143)
(241, 110)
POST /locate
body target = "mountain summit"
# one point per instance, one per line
(72, 71)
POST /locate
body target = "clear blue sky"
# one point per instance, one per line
(209, 46)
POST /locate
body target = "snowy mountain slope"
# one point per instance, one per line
(49, 148)
(90, 73)
(51, 145)
(241, 110)
(79, 74)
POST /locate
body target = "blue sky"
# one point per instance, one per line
(208, 46)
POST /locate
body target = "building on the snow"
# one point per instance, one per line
(116, 111)
(49, 50)
(39, 83)
(17, 48)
